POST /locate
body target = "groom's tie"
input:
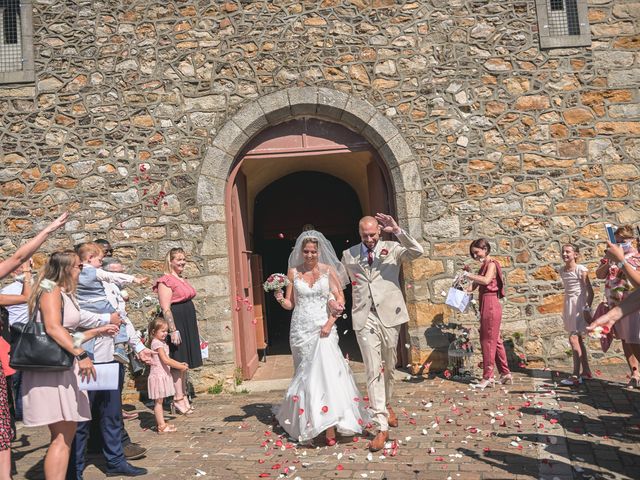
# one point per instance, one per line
(369, 256)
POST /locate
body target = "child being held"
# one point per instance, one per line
(91, 293)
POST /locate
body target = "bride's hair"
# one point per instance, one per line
(308, 226)
(306, 240)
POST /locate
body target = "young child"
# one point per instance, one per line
(160, 382)
(91, 293)
(578, 296)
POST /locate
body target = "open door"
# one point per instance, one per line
(244, 317)
(262, 338)
(379, 202)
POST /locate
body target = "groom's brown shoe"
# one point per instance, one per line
(393, 418)
(378, 442)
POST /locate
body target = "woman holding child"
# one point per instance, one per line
(620, 270)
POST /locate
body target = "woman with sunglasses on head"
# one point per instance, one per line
(490, 285)
(7, 266)
(54, 398)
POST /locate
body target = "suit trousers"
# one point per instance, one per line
(107, 405)
(493, 352)
(379, 347)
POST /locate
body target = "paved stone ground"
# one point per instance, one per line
(530, 430)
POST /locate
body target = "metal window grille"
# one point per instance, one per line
(563, 23)
(563, 17)
(11, 58)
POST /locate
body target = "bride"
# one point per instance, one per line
(322, 396)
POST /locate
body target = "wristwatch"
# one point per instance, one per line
(621, 264)
(82, 356)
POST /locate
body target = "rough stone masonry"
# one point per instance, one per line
(527, 147)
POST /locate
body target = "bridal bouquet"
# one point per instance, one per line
(276, 281)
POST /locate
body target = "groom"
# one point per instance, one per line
(378, 310)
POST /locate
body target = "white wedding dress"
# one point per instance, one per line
(322, 392)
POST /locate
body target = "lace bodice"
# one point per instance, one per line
(309, 315)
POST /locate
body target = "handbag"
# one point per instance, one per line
(33, 349)
(457, 299)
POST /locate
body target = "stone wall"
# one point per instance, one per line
(529, 148)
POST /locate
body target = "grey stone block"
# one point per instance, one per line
(251, 119)
(230, 139)
(276, 107)
(215, 241)
(210, 190)
(408, 204)
(356, 114)
(216, 163)
(379, 130)
(396, 151)
(303, 100)
(331, 103)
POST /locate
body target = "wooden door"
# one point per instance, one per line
(262, 338)
(379, 201)
(243, 285)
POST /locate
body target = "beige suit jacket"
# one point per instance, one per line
(379, 284)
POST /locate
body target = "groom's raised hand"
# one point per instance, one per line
(388, 223)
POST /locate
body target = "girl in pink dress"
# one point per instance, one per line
(160, 382)
(578, 296)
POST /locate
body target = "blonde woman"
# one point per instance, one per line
(53, 398)
(175, 295)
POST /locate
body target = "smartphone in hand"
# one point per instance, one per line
(610, 233)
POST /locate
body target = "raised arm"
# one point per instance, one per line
(28, 249)
(615, 253)
(409, 249)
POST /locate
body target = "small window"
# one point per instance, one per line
(563, 23)
(16, 42)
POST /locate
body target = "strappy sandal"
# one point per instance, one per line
(167, 428)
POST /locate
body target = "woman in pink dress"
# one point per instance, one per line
(20, 256)
(491, 289)
(53, 398)
(175, 295)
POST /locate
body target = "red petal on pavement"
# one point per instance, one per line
(339, 468)
(553, 420)
(412, 421)
(264, 475)
(439, 459)
(598, 372)
(486, 449)
(276, 467)
(356, 439)
(278, 443)
(262, 460)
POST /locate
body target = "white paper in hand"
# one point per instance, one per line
(106, 378)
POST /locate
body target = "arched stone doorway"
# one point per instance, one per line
(227, 211)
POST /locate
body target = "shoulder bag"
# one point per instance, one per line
(33, 349)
